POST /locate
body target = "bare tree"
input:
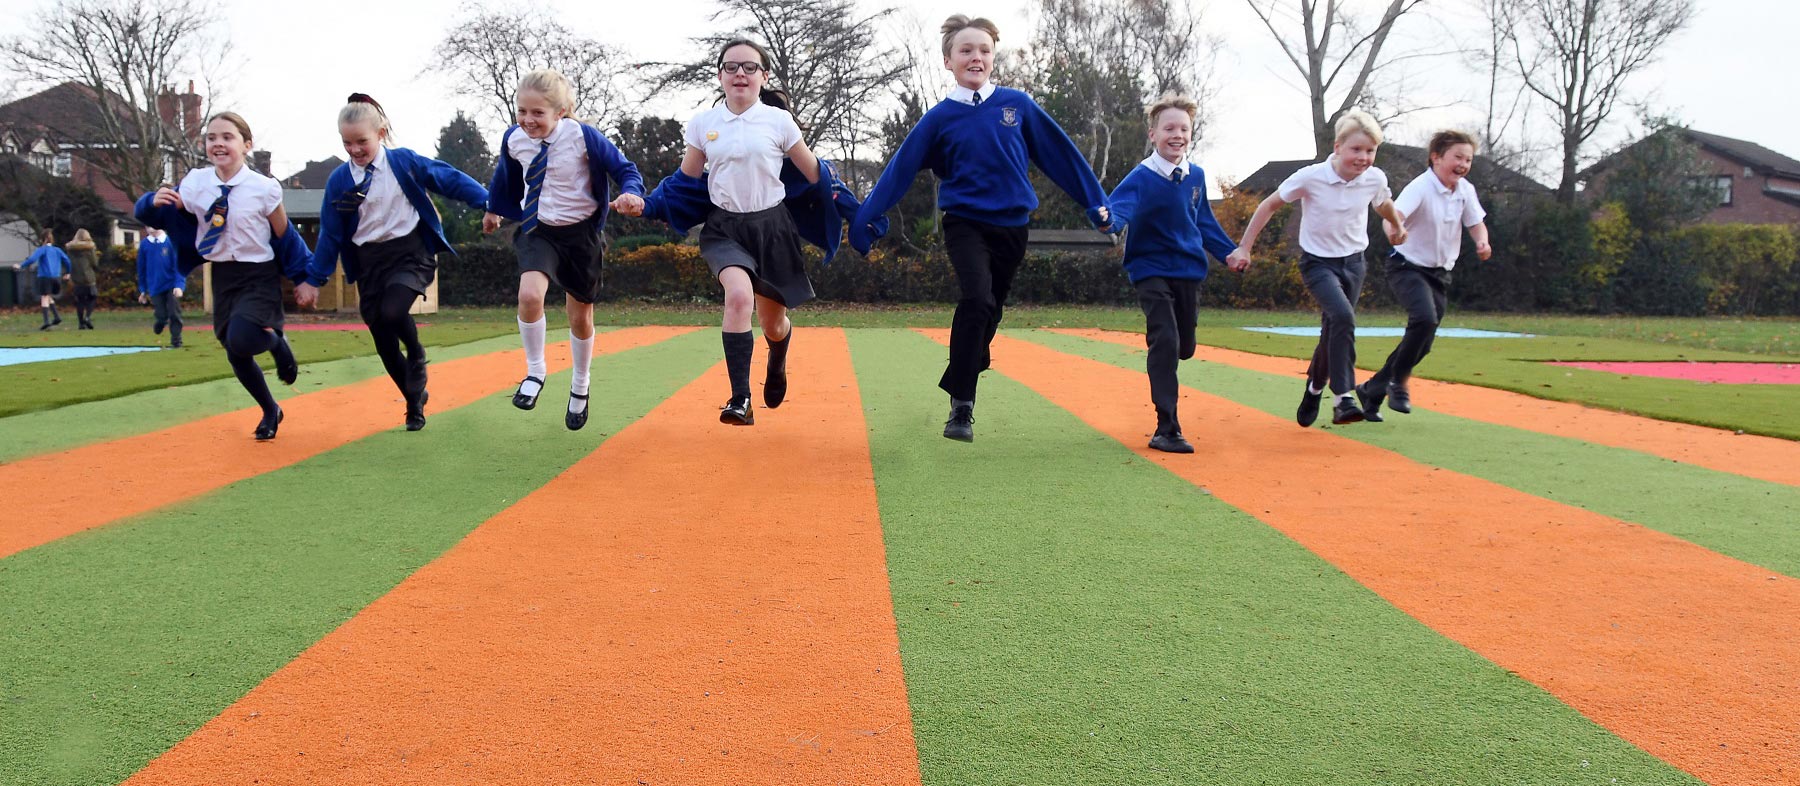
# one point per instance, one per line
(128, 55)
(1576, 55)
(1331, 45)
(486, 52)
(832, 61)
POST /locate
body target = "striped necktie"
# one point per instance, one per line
(360, 194)
(977, 99)
(534, 186)
(215, 221)
(1175, 175)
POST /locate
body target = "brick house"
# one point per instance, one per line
(1756, 185)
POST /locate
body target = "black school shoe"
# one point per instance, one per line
(1172, 442)
(1309, 407)
(961, 425)
(737, 412)
(1399, 400)
(287, 369)
(415, 415)
(1346, 412)
(270, 424)
(523, 401)
(1371, 404)
(775, 376)
(575, 420)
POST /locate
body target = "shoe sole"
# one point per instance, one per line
(733, 420)
(960, 437)
(1358, 418)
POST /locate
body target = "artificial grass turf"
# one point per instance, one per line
(120, 641)
(1071, 613)
(80, 424)
(1745, 518)
(32, 387)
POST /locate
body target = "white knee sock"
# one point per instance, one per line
(583, 351)
(532, 334)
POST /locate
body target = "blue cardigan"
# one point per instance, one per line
(291, 252)
(49, 260)
(982, 154)
(156, 268)
(506, 194)
(1172, 225)
(819, 209)
(416, 175)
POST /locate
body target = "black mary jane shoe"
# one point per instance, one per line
(523, 401)
(575, 420)
(265, 430)
(737, 412)
(415, 415)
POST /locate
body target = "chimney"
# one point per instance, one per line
(261, 160)
(166, 106)
(190, 112)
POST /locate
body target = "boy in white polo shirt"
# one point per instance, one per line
(1335, 195)
(1437, 205)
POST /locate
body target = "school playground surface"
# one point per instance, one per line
(1499, 588)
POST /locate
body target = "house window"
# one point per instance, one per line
(1723, 184)
(63, 165)
(131, 238)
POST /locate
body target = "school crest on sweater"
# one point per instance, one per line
(1009, 116)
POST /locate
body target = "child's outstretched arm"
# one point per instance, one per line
(1264, 211)
(1394, 222)
(1056, 154)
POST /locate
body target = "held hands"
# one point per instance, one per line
(1238, 260)
(629, 204)
(178, 293)
(1483, 251)
(143, 298)
(305, 295)
(489, 223)
(167, 196)
(1396, 234)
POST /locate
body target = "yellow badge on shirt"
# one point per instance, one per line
(712, 136)
(218, 220)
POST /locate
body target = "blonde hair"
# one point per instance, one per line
(1357, 121)
(1170, 101)
(82, 240)
(958, 23)
(553, 86)
(235, 119)
(363, 109)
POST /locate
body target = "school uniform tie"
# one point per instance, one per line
(534, 186)
(976, 100)
(215, 221)
(1175, 175)
(353, 201)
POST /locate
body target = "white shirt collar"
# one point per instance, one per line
(1331, 171)
(747, 114)
(1439, 182)
(1165, 167)
(380, 164)
(236, 180)
(966, 96)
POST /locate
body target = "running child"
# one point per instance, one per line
(978, 142)
(52, 268)
(551, 177)
(84, 275)
(1335, 196)
(1162, 202)
(160, 282)
(379, 219)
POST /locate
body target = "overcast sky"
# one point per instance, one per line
(1724, 74)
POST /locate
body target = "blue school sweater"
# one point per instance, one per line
(156, 268)
(1172, 225)
(819, 209)
(50, 262)
(416, 175)
(291, 252)
(506, 194)
(981, 154)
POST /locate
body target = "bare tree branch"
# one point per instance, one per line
(485, 52)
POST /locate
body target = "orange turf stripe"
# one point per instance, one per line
(1764, 458)
(690, 604)
(1691, 655)
(95, 485)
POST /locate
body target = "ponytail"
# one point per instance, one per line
(360, 108)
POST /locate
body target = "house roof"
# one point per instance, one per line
(67, 113)
(1779, 195)
(303, 203)
(314, 174)
(1402, 163)
(1761, 159)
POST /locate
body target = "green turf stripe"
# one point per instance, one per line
(140, 413)
(1748, 519)
(1069, 613)
(118, 642)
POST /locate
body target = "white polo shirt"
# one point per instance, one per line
(253, 197)
(744, 154)
(568, 195)
(386, 214)
(1435, 217)
(1334, 212)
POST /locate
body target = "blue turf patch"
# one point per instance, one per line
(13, 356)
(1393, 332)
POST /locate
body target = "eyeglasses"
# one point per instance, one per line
(751, 68)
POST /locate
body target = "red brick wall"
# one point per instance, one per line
(1749, 205)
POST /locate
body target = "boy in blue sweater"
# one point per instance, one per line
(980, 142)
(160, 282)
(52, 269)
(1172, 229)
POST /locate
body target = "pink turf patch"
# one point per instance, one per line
(1722, 372)
(331, 326)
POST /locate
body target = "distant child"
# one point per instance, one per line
(231, 216)
(52, 266)
(160, 283)
(551, 177)
(379, 219)
(1335, 196)
(1437, 205)
(84, 274)
(978, 142)
(1162, 202)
